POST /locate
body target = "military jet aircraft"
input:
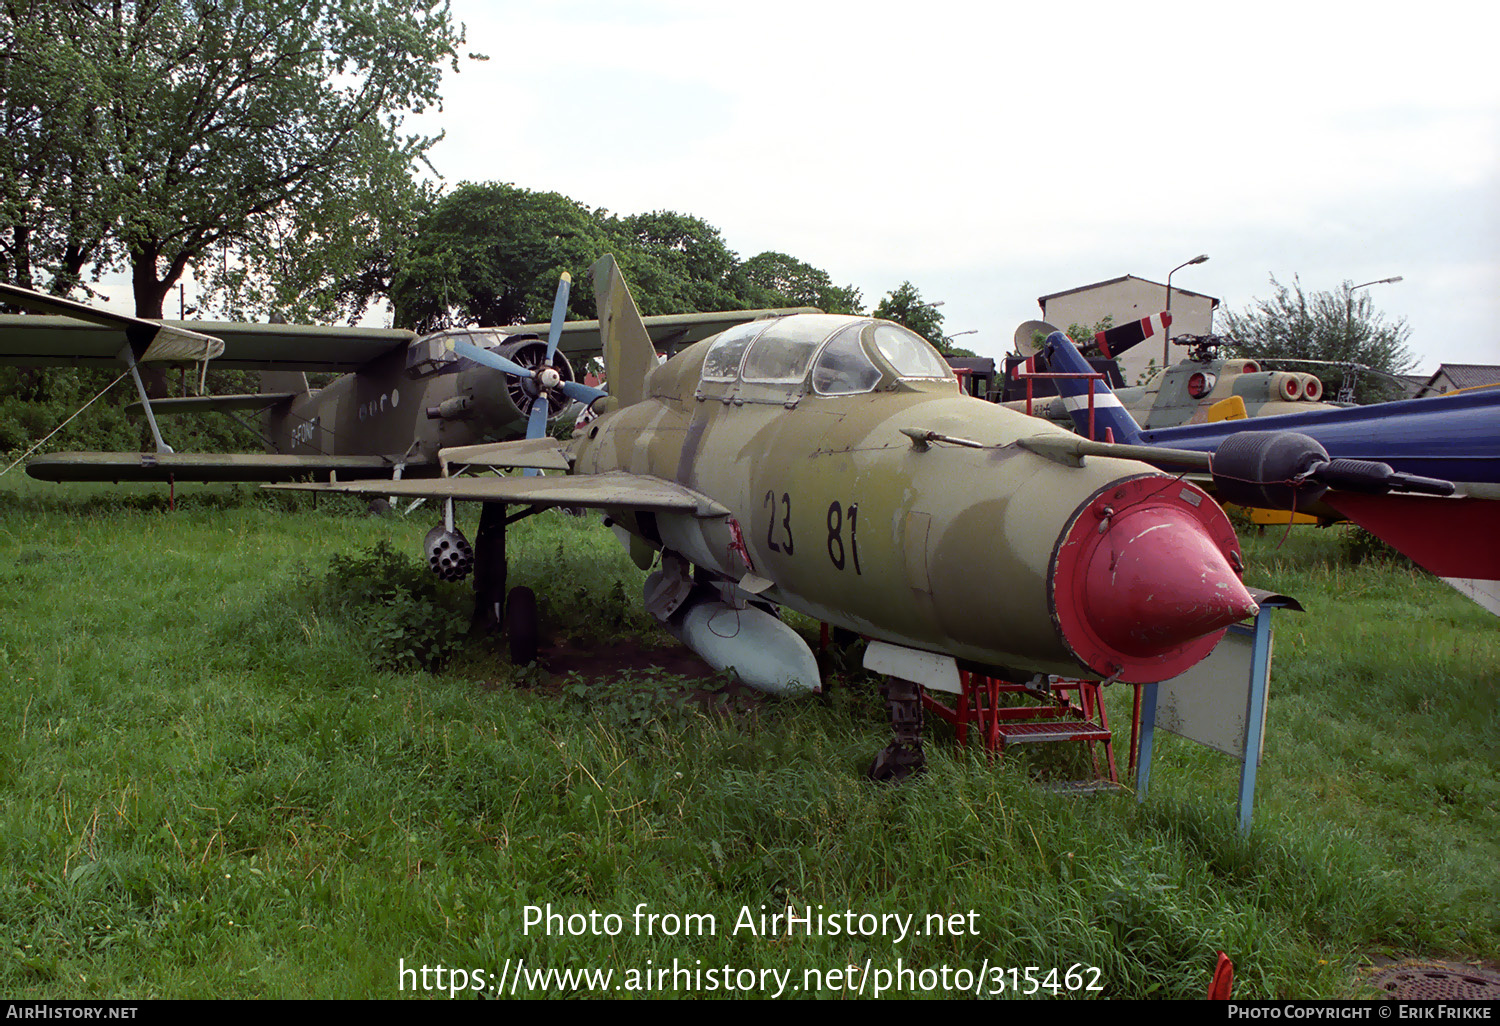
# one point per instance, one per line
(830, 464)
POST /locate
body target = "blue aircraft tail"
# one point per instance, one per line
(1112, 422)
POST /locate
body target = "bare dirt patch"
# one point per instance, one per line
(607, 661)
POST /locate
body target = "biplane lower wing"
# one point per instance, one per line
(212, 467)
(249, 403)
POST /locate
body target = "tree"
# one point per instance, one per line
(50, 228)
(1335, 329)
(324, 263)
(679, 261)
(773, 279)
(905, 307)
(158, 130)
(491, 254)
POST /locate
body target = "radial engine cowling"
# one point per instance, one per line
(449, 554)
(531, 353)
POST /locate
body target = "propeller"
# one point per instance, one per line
(544, 377)
(448, 553)
(547, 376)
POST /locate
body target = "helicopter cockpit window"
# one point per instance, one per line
(782, 354)
(723, 360)
(910, 354)
(843, 368)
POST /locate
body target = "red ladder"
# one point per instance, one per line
(1056, 717)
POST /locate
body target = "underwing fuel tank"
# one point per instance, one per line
(763, 652)
(736, 635)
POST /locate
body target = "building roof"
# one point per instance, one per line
(973, 364)
(1042, 300)
(1413, 384)
(1462, 375)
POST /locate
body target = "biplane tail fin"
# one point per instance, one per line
(629, 354)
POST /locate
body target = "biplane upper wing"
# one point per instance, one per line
(65, 341)
(68, 341)
(60, 331)
(94, 336)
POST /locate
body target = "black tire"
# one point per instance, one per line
(521, 627)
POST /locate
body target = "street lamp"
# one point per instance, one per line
(1349, 303)
(1166, 337)
(1349, 296)
(1349, 349)
(947, 341)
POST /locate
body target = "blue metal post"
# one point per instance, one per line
(1148, 732)
(1255, 712)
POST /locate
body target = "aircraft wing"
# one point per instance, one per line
(60, 331)
(94, 336)
(192, 466)
(64, 341)
(541, 453)
(1452, 537)
(215, 403)
(668, 331)
(615, 490)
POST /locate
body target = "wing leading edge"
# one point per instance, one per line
(616, 490)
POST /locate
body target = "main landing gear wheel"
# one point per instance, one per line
(904, 756)
(521, 625)
(489, 569)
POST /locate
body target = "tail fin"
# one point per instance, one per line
(273, 381)
(628, 352)
(1111, 420)
(1114, 341)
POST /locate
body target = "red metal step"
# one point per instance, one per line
(1013, 732)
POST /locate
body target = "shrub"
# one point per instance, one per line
(414, 621)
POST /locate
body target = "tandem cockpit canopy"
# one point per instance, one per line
(782, 359)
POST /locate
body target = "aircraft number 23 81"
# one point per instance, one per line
(779, 530)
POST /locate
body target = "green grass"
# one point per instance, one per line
(210, 788)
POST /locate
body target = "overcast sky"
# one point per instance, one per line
(995, 153)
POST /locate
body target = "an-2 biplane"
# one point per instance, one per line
(830, 464)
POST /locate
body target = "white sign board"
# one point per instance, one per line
(1210, 702)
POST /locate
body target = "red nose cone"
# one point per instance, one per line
(1159, 583)
(1143, 584)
